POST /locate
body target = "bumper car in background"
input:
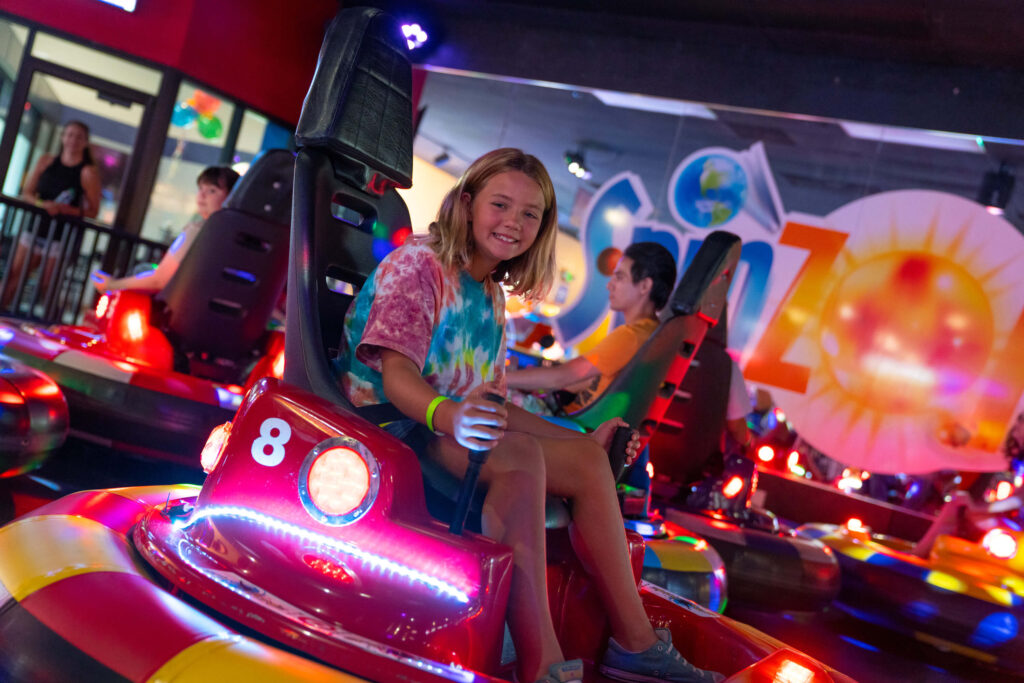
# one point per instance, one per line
(675, 558)
(769, 566)
(966, 595)
(696, 487)
(33, 418)
(33, 423)
(158, 373)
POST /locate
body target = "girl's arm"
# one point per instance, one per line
(555, 377)
(30, 189)
(474, 421)
(520, 420)
(91, 186)
(154, 280)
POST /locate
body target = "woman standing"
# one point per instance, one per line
(65, 184)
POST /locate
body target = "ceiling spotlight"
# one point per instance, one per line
(995, 189)
(576, 165)
(414, 34)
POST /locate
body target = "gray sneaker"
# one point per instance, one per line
(660, 662)
(564, 672)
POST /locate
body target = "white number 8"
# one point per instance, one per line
(276, 443)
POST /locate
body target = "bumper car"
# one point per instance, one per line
(966, 595)
(33, 418)
(768, 564)
(675, 558)
(158, 373)
(33, 423)
(309, 553)
(695, 486)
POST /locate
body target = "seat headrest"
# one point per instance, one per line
(266, 188)
(700, 288)
(358, 106)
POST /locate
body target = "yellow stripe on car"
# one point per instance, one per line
(39, 551)
(237, 658)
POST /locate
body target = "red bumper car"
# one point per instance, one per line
(159, 373)
(33, 417)
(311, 534)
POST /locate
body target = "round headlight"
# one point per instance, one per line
(338, 481)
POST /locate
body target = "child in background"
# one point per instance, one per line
(427, 334)
(214, 183)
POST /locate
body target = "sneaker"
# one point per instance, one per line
(564, 672)
(660, 662)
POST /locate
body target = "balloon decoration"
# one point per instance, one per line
(184, 115)
(199, 108)
(210, 126)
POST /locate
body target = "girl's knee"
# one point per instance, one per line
(521, 452)
(591, 466)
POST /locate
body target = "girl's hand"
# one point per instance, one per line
(477, 422)
(51, 207)
(603, 435)
(99, 280)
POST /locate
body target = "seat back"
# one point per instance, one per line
(355, 146)
(690, 432)
(220, 298)
(643, 389)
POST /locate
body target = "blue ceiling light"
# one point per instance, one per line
(415, 36)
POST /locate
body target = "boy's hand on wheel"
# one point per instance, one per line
(603, 435)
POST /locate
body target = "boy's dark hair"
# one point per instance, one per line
(223, 177)
(652, 260)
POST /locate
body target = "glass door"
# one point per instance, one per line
(114, 115)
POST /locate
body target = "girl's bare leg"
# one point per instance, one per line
(49, 268)
(578, 469)
(513, 514)
(21, 254)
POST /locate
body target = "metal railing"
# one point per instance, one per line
(46, 279)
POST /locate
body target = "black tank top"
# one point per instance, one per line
(61, 183)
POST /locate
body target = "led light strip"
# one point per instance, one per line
(350, 549)
(452, 672)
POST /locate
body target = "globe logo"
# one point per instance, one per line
(710, 191)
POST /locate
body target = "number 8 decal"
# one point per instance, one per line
(276, 441)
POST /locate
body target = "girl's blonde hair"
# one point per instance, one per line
(531, 273)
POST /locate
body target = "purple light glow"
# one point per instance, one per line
(415, 36)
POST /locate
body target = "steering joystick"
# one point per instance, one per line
(476, 460)
(617, 450)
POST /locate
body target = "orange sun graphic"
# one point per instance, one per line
(911, 353)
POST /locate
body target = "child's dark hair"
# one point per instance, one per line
(223, 177)
(652, 260)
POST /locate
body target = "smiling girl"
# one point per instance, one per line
(426, 334)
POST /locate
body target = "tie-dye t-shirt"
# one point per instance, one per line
(450, 325)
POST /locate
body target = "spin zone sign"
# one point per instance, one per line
(890, 331)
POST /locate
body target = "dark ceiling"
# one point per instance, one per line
(947, 65)
(951, 65)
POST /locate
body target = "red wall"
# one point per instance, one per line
(262, 52)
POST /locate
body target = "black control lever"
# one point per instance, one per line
(617, 450)
(468, 490)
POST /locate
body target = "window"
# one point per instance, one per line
(195, 140)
